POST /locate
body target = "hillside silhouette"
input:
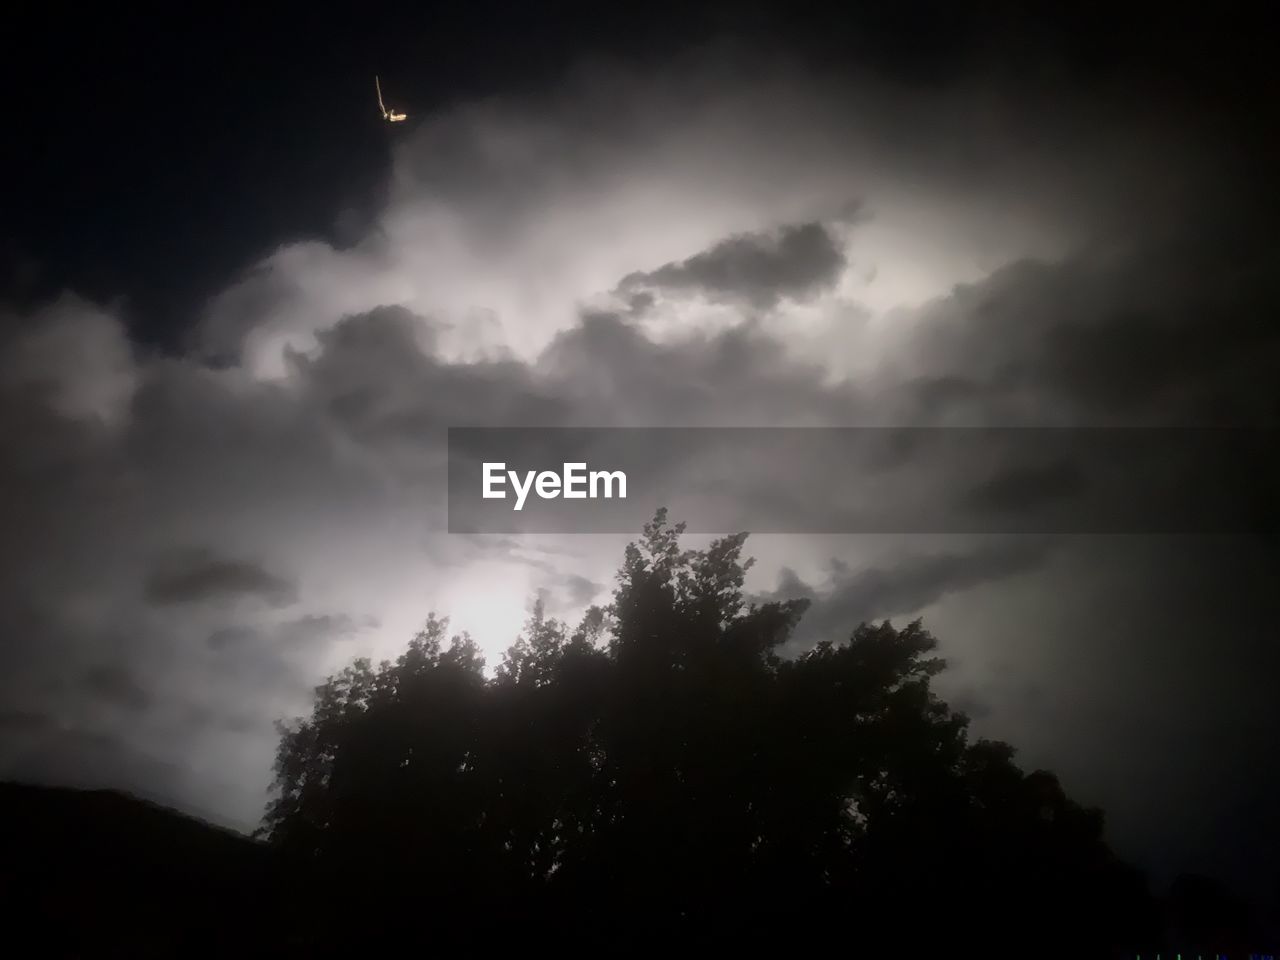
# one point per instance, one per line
(99, 873)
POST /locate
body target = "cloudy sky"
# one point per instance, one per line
(239, 313)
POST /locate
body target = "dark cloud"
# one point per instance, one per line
(230, 638)
(581, 590)
(638, 303)
(377, 377)
(563, 596)
(1175, 334)
(195, 576)
(615, 374)
(759, 269)
(313, 628)
(115, 684)
(1019, 488)
(278, 652)
(290, 635)
(905, 587)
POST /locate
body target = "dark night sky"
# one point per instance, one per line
(162, 146)
(1071, 220)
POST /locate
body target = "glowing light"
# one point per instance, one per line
(389, 115)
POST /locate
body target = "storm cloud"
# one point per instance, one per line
(197, 575)
(755, 269)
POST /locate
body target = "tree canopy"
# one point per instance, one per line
(661, 774)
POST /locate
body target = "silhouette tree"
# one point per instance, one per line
(662, 774)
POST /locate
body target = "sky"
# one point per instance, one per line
(238, 312)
